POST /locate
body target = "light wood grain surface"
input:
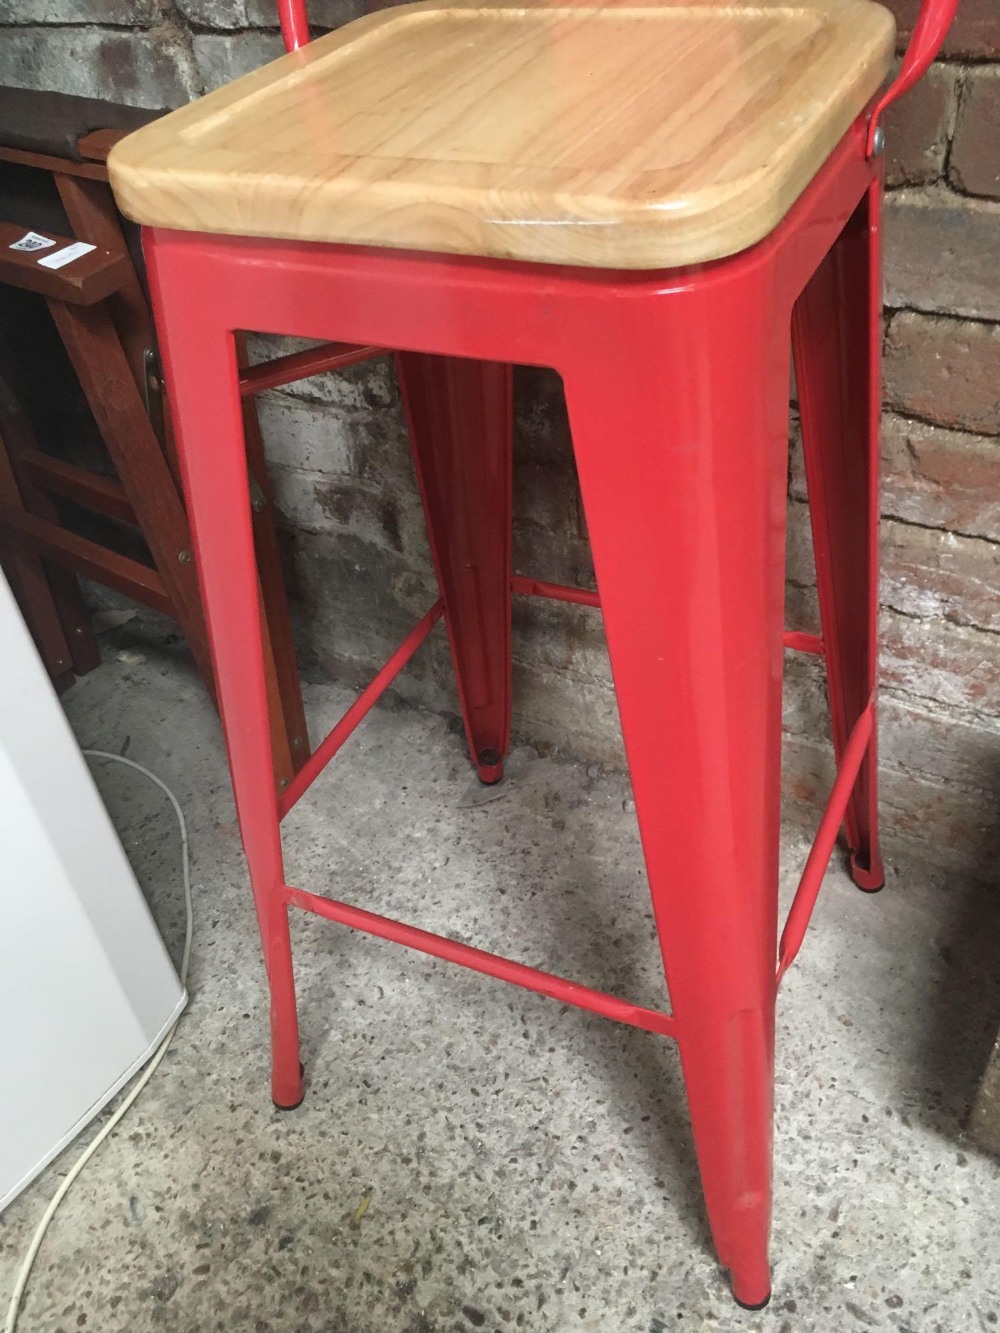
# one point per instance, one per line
(627, 135)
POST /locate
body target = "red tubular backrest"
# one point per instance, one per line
(928, 35)
(929, 32)
(294, 23)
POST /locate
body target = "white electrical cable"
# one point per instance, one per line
(150, 1070)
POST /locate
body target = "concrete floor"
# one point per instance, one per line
(474, 1157)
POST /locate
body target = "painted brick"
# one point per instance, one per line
(223, 14)
(558, 558)
(554, 637)
(540, 412)
(944, 370)
(138, 68)
(798, 553)
(943, 253)
(917, 128)
(358, 601)
(307, 437)
(545, 497)
(975, 31)
(380, 519)
(129, 13)
(220, 59)
(562, 713)
(975, 156)
(984, 1123)
(322, 13)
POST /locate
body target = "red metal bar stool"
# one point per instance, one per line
(654, 199)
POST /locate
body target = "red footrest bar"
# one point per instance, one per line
(557, 592)
(303, 365)
(560, 592)
(505, 969)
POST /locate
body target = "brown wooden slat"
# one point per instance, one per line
(90, 208)
(53, 123)
(74, 618)
(86, 279)
(44, 162)
(96, 145)
(85, 557)
(105, 376)
(104, 495)
(31, 587)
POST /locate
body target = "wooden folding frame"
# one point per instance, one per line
(100, 312)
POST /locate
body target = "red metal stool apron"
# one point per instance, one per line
(676, 381)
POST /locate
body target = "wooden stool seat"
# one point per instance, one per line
(632, 135)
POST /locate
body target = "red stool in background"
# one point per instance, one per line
(653, 201)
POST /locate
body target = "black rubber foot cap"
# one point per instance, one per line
(295, 1105)
(489, 767)
(759, 1306)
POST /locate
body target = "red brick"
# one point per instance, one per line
(940, 478)
(937, 575)
(951, 665)
(931, 476)
(975, 32)
(944, 370)
(943, 253)
(927, 573)
(975, 157)
(917, 129)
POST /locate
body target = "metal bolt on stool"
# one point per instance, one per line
(655, 201)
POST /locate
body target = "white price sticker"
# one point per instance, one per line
(67, 254)
(32, 241)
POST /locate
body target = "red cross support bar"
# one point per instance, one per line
(506, 969)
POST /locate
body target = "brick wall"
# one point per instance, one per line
(345, 489)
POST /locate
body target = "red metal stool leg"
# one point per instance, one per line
(837, 336)
(199, 362)
(459, 413)
(679, 422)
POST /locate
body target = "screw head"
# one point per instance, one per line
(878, 141)
(296, 742)
(184, 557)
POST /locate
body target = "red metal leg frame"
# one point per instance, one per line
(676, 385)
